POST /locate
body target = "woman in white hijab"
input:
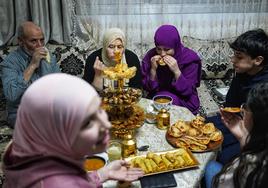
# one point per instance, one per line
(59, 122)
(113, 41)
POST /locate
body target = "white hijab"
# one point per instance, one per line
(109, 36)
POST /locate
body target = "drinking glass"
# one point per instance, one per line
(114, 151)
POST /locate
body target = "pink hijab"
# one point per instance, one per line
(50, 116)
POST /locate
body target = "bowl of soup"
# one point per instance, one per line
(162, 101)
(94, 163)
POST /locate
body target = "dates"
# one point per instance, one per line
(124, 97)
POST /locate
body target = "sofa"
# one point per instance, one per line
(217, 72)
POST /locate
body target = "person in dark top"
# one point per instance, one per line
(113, 41)
(250, 167)
(250, 65)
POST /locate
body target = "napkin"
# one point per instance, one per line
(158, 181)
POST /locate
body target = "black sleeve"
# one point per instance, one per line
(89, 71)
(236, 95)
(133, 60)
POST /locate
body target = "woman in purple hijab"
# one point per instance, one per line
(172, 69)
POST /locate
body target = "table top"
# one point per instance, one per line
(150, 135)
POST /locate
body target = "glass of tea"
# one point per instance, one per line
(162, 102)
(114, 150)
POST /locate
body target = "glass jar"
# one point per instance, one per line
(163, 119)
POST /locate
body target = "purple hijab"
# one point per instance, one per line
(183, 91)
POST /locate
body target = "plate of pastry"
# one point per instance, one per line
(195, 135)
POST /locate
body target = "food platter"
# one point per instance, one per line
(212, 145)
(165, 161)
(196, 135)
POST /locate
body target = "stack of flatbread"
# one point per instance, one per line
(195, 135)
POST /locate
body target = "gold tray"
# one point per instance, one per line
(194, 164)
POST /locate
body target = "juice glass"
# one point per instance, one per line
(114, 151)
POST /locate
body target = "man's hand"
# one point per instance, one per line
(39, 53)
(236, 125)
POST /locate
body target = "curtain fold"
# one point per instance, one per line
(204, 19)
(54, 17)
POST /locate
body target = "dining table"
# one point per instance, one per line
(149, 134)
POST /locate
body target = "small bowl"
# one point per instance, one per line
(162, 101)
(94, 163)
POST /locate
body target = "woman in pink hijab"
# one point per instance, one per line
(59, 122)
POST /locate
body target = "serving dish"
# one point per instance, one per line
(94, 163)
(212, 145)
(195, 135)
(166, 161)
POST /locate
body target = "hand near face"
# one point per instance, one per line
(154, 62)
(98, 66)
(38, 54)
(173, 65)
(236, 125)
(119, 170)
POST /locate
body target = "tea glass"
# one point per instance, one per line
(114, 150)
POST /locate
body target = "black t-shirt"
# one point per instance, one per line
(131, 59)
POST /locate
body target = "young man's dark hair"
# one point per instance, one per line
(254, 43)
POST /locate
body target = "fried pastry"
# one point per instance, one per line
(161, 62)
(153, 162)
(231, 109)
(208, 128)
(216, 136)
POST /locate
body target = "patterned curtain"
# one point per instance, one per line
(203, 19)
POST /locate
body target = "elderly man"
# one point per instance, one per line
(23, 66)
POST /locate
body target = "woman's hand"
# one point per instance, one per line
(98, 79)
(98, 67)
(173, 65)
(154, 62)
(154, 65)
(119, 170)
(236, 125)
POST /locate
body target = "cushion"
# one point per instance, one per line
(215, 55)
(71, 59)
